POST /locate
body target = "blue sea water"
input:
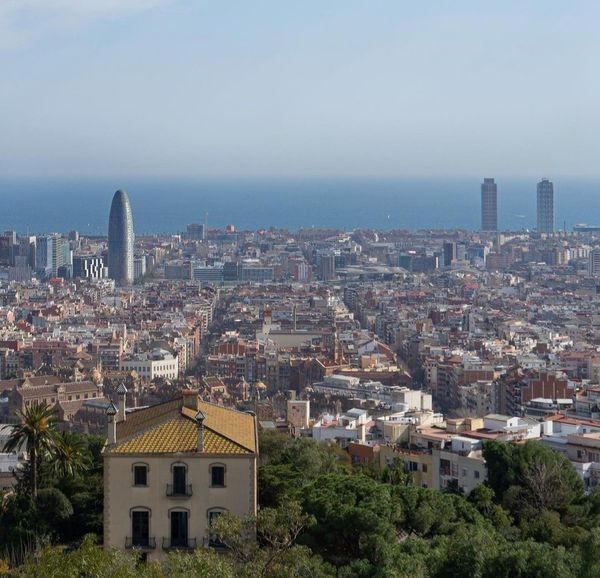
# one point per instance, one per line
(167, 205)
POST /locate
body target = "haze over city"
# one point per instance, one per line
(194, 89)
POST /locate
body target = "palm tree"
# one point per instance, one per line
(69, 456)
(36, 434)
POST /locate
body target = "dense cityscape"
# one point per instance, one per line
(160, 392)
(299, 289)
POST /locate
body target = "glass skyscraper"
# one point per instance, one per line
(120, 240)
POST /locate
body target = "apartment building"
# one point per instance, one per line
(157, 363)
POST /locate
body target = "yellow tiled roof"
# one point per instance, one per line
(235, 425)
(171, 427)
(177, 435)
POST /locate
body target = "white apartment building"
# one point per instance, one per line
(152, 365)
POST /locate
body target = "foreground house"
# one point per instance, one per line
(171, 469)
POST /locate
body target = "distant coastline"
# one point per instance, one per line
(167, 205)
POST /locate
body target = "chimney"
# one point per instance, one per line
(111, 418)
(122, 393)
(292, 394)
(190, 398)
(200, 426)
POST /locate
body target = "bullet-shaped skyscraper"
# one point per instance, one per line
(545, 206)
(489, 205)
(120, 240)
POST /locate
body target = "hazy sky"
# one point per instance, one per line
(299, 87)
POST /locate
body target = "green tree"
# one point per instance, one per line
(265, 545)
(37, 434)
(531, 477)
(70, 456)
(355, 517)
(87, 561)
(201, 563)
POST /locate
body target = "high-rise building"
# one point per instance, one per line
(449, 249)
(51, 253)
(43, 254)
(489, 205)
(545, 206)
(120, 240)
(196, 232)
(594, 263)
(6, 251)
(139, 267)
(326, 267)
(27, 247)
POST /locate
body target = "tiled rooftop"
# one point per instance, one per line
(177, 435)
(171, 427)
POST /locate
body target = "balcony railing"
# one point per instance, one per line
(169, 544)
(179, 491)
(144, 543)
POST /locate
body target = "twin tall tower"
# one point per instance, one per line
(545, 206)
(120, 240)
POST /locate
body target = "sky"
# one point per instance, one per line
(209, 88)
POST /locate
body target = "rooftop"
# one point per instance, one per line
(171, 427)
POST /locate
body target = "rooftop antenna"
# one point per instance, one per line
(205, 225)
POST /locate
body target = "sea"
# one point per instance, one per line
(167, 205)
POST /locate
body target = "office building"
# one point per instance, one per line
(139, 267)
(196, 232)
(449, 249)
(210, 274)
(231, 271)
(120, 240)
(21, 271)
(52, 252)
(545, 206)
(26, 249)
(255, 274)
(489, 205)
(6, 251)
(594, 263)
(88, 267)
(326, 268)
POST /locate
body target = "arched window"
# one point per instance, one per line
(140, 528)
(179, 528)
(217, 475)
(180, 486)
(140, 474)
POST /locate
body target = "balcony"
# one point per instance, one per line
(169, 544)
(141, 542)
(179, 491)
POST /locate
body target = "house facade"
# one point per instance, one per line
(171, 469)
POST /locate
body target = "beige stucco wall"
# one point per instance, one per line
(121, 496)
